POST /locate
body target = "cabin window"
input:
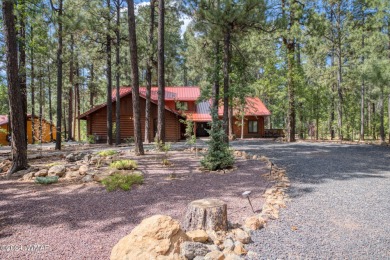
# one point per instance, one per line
(252, 127)
(182, 105)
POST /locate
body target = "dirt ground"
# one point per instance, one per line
(84, 221)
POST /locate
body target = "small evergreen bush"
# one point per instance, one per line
(124, 165)
(124, 182)
(91, 139)
(46, 180)
(218, 155)
(107, 152)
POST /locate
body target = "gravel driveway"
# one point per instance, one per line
(340, 206)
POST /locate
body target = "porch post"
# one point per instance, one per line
(195, 129)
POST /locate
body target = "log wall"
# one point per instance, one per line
(97, 121)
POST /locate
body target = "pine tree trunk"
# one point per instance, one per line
(22, 61)
(109, 76)
(50, 108)
(91, 87)
(32, 87)
(231, 116)
(77, 102)
(339, 75)
(291, 90)
(139, 149)
(361, 137)
(226, 69)
(149, 67)
(117, 75)
(290, 46)
(59, 78)
(18, 133)
(161, 74)
(216, 77)
(382, 115)
(40, 105)
(64, 118)
(388, 114)
(70, 94)
(373, 122)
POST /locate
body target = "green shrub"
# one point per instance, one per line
(129, 141)
(124, 165)
(166, 162)
(53, 164)
(124, 182)
(91, 139)
(46, 180)
(158, 144)
(218, 155)
(107, 152)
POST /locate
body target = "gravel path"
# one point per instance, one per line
(340, 206)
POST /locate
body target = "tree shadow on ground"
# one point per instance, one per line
(85, 206)
(316, 163)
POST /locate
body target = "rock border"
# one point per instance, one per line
(231, 244)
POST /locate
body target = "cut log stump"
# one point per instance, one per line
(206, 214)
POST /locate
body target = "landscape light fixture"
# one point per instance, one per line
(272, 164)
(246, 194)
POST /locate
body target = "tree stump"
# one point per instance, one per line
(206, 214)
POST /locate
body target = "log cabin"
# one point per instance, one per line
(180, 103)
(5, 129)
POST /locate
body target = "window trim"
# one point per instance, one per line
(249, 128)
(182, 104)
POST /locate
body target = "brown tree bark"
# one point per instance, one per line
(216, 86)
(40, 105)
(382, 115)
(70, 93)
(161, 74)
(22, 61)
(91, 86)
(32, 88)
(59, 10)
(77, 94)
(226, 70)
(206, 214)
(139, 149)
(18, 132)
(109, 76)
(117, 74)
(50, 108)
(289, 43)
(149, 67)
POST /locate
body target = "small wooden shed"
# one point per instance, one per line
(46, 129)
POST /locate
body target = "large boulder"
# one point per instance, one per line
(41, 173)
(157, 237)
(57, 170)
(72, 157)
(83, 169)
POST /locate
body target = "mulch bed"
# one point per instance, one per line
(84, 221)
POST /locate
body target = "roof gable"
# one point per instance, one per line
(254, 106)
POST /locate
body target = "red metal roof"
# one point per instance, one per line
(3, 119)
(254, 106)
(174, 93)
(202, 113)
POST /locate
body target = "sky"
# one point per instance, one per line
(183, 18)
